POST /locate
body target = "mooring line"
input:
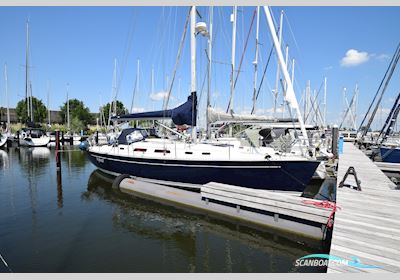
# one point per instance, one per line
(5, 263)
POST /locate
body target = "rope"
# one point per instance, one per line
(245, 47)
(166, 100)
(263, 76)
(325, 204)
(243, 53)
(5, 263)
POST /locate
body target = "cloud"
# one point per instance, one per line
(158, 95)
(382, 57)
(278, 110)
(384, 111)
(327, 68)
(137, 110)
(354, 58)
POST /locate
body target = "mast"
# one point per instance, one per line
(138, 77)
(152, 86)
(325, 102)
(68, 121)
(284, 83)
(355, 108)
(256, 61)
(27, 69)
(193, 59)
(113, 105)
(233, 19)
(152, 80)
(306, 101)
(290, 95)
(31, 100)
(48, 101)
(276, 90)
(8, 105)
(283, 111)
(209, 71)
(136, 84)
(115, 86)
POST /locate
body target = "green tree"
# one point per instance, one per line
(120, 109)
(39, 111)
(79, 115)
(77, 125)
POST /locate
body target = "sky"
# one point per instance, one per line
(78, 46)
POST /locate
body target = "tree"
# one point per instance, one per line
(79, 115)
(120, 110)
(39, 111)
(77, 125)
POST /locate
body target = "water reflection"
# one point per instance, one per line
(207, 244)
(4, 161)
(59, 190)
(33, 161)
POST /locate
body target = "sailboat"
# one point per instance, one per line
(31, 136)
(5, 130)
(3, 139)
(185, 161)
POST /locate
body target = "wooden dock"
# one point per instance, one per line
(368, 224)
(286, 212)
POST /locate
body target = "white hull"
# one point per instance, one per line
(3, 140)
(35, 142)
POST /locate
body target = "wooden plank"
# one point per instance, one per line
(371, 259)
(283, 202)
(254, 192)
(370, 244)
(368, 224)
(274, 209)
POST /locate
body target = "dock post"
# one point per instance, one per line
(59, 178)
(335, 137)
(18, 143)
(59, 190)
(62, 137)
(58, 160)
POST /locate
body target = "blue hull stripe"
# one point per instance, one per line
(273, 175)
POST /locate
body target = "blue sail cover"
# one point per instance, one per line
(183, 114)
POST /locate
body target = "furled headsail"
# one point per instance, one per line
(181, 115)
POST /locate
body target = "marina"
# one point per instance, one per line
(208, 160)
(60, 225)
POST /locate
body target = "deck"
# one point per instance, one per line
(368, 224)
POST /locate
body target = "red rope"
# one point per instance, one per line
(326, 204)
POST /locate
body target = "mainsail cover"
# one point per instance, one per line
(218, 116)
(181, 115)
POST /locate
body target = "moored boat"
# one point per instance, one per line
(197, 164)
(33, 137)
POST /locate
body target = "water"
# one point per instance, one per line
(80, 224)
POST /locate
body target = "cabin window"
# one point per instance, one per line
(189, 153)
(140, 150)
(206, 153)
(162, 151)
